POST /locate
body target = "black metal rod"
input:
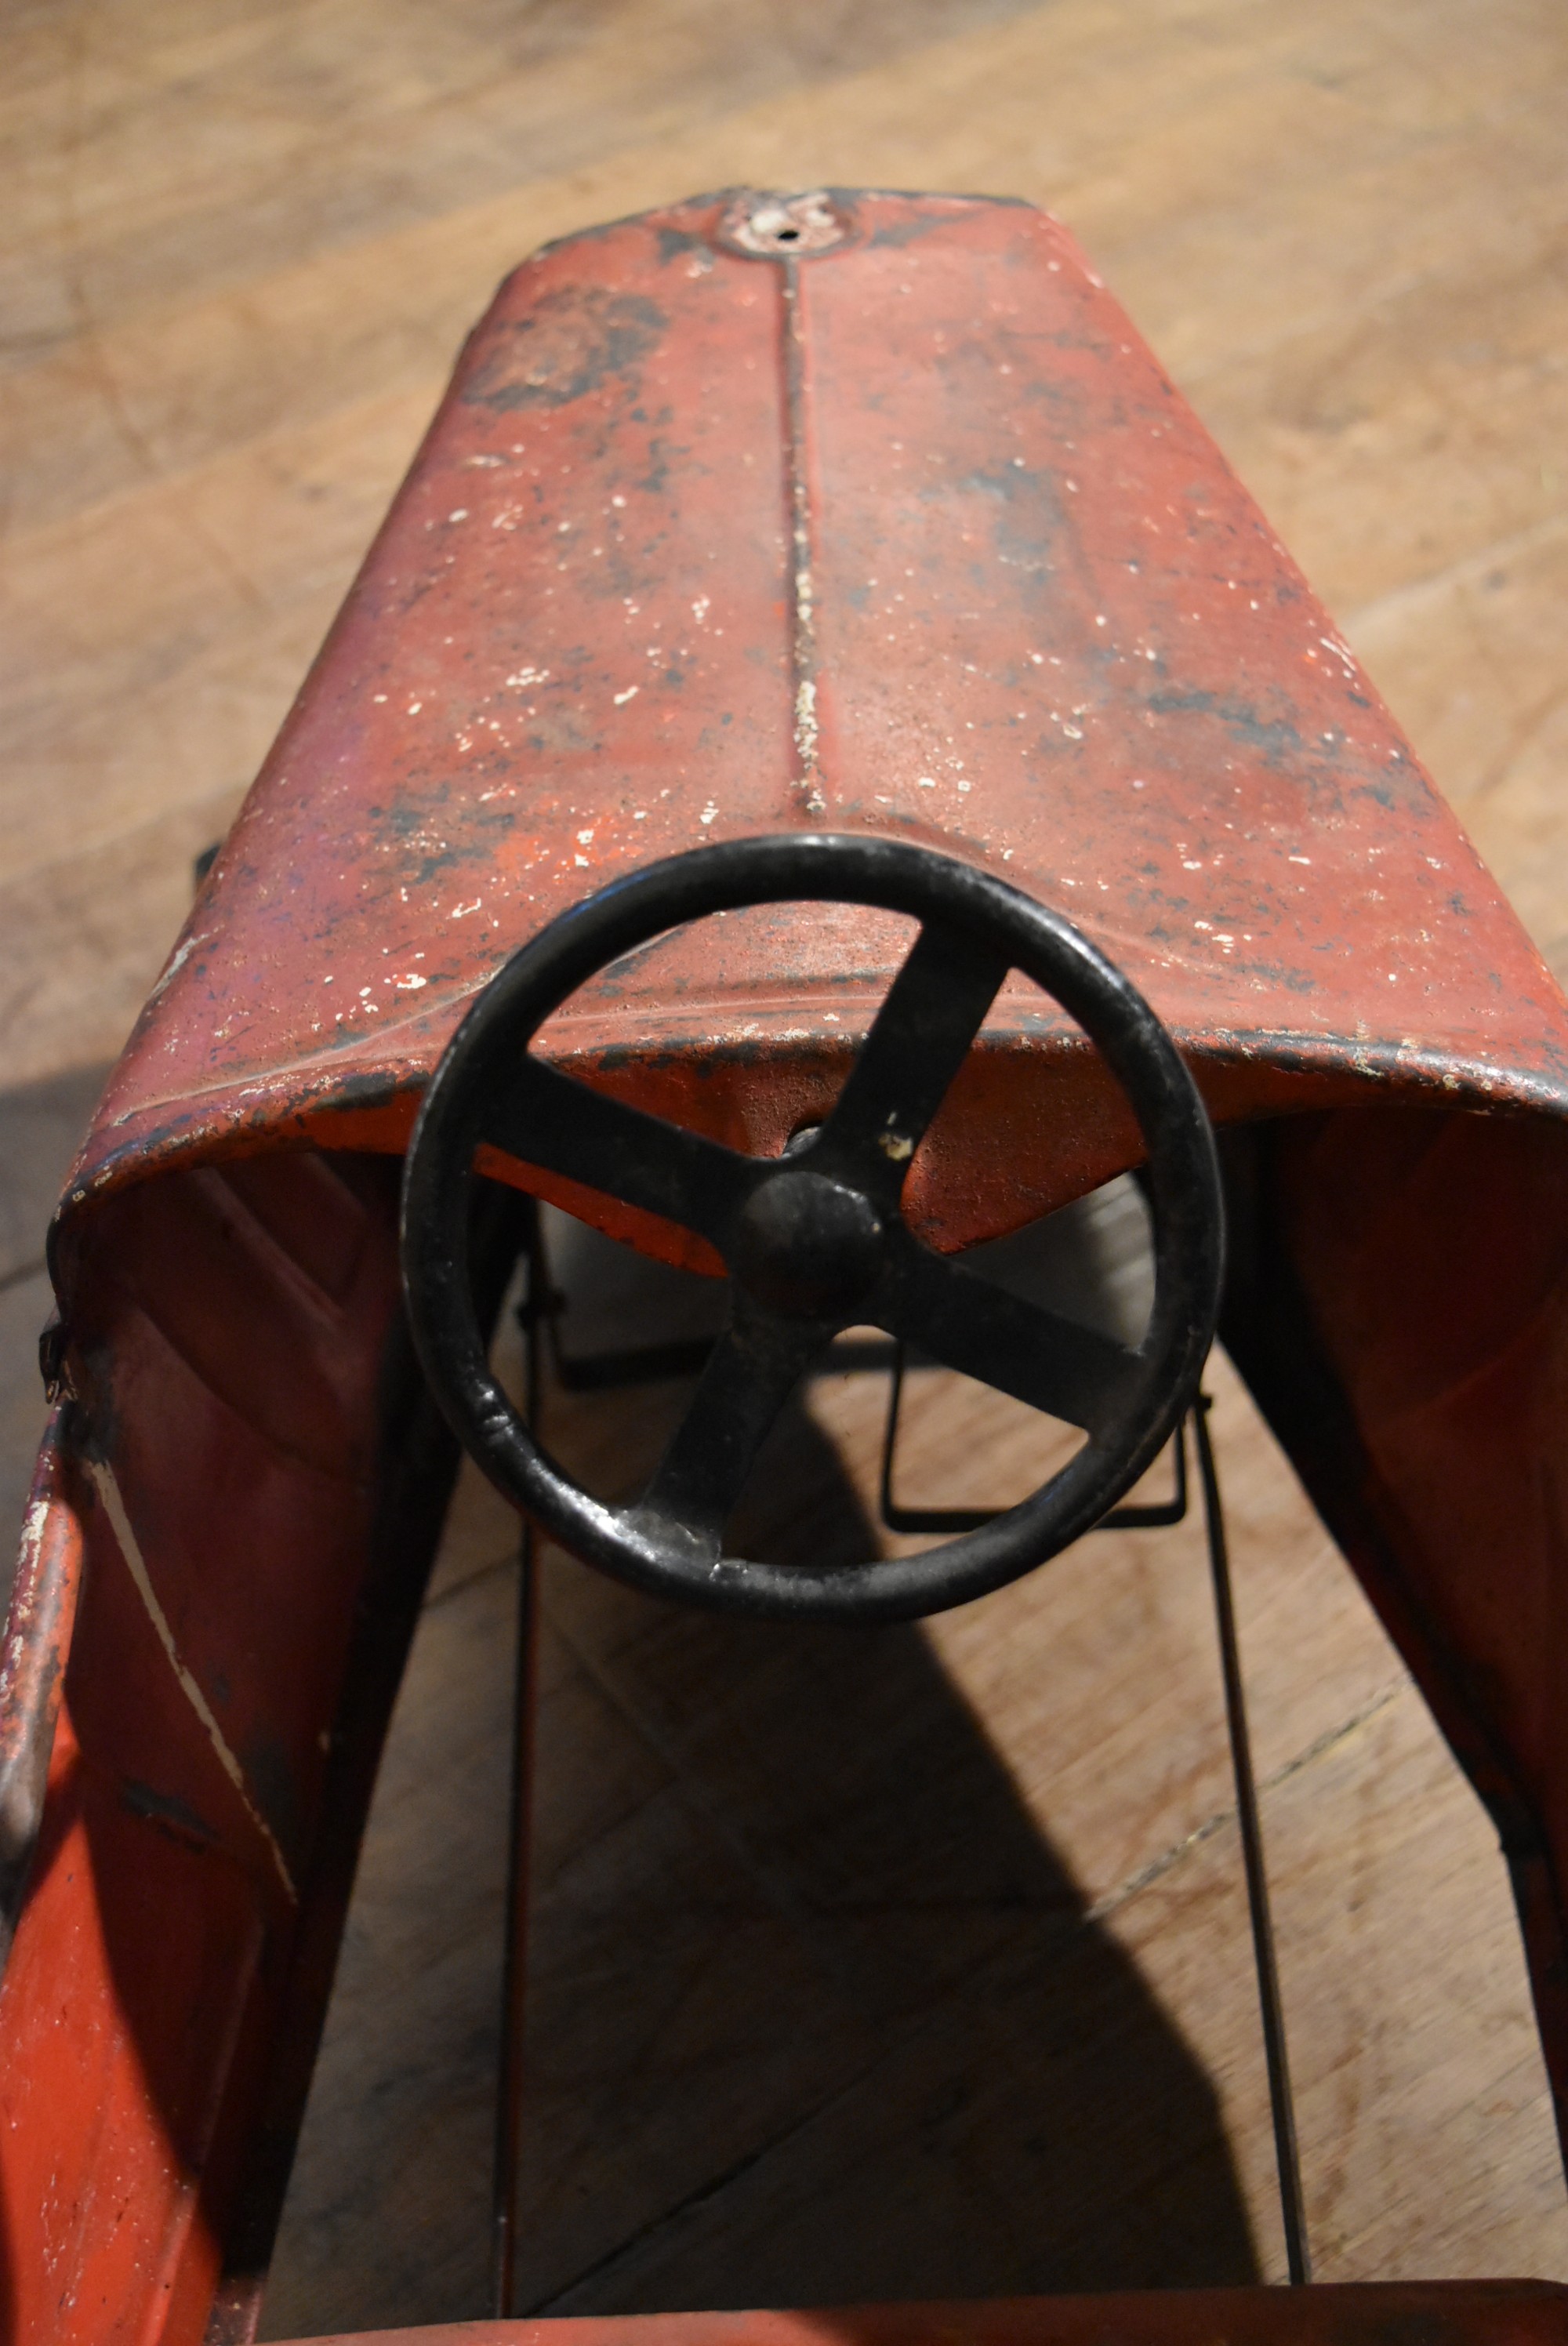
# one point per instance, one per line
(515, 1962)
(898, 1518)
(1270, 2004)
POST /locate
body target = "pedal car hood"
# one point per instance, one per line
(867, 512)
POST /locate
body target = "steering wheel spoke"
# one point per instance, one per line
(816, 1241)
(918, 1041)
(750, 1374)
(546, 1119)
(1054, 1364)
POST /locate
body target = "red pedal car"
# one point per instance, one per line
(823, 766)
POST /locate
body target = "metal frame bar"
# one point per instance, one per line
(538, 1315)
(1270, 2004)
(898, 1518)
(514, 1967)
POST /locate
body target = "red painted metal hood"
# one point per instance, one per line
(875, 514)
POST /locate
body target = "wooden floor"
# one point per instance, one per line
(916, 1963)
(890, 1964)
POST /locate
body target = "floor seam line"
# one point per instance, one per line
(1151, 1872)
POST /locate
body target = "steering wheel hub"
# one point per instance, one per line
(807, 1246)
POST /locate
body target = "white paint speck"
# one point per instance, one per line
(806, 724)
(630, 694)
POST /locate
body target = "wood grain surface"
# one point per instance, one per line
(913, 1963)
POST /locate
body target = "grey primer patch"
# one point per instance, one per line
(1273, 738)
(573, 342)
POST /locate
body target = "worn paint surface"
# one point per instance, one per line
(864, 512)
(217, 1477)
(43, 1611)
(896, 527)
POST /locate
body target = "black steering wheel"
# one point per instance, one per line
(815, 1241)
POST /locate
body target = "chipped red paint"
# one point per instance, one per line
(42, 1612)
(872, 514)
(1050, 632)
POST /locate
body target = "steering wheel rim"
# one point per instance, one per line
(808, 1257)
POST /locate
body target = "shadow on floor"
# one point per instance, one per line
(816, 2014)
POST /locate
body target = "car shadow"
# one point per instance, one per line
(816, 2013)
(853, 2035)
